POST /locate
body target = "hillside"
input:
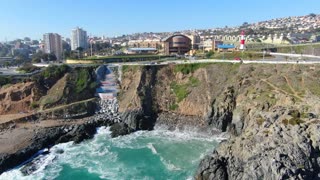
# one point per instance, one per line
(55, 86)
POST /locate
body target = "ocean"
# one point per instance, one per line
(144, 155)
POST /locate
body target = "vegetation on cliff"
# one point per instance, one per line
(28, 68)
(4, 80)
(76, 84)
(271, 111)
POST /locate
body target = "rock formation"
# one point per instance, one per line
(270, 111)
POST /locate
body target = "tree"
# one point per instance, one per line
(5, 50)
(66, 46)
(245, 24)
(7, 64)
(27, 39)
(35, 42)
(80, 50)
(312, 15)
(52, 57)
(36, 57)
(209, 54)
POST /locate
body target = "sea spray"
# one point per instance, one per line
(158, 154)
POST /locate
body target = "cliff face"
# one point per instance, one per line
(19, 97)
(218, 94)
(271, 111)
(75, 85)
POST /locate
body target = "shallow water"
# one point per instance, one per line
(158, 154)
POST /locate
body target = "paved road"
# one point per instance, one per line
(277, 60)
(280, 58)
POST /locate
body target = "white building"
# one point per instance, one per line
(53, 44)
(79, 38)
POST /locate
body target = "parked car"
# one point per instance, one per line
(237, 58)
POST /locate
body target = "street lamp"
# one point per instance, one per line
(91, 47)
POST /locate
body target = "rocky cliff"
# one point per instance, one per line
(271, 112)
(18, 98)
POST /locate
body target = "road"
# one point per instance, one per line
(280, 58)
(277, 60)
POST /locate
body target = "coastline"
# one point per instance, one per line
(26, 139)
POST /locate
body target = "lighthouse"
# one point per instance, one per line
(242, 41)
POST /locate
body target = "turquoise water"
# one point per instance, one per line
(158, 154)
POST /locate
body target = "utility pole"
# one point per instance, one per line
(91, 47)
(203, 45)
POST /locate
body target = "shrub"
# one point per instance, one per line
(173, 107)
(180, 91)
(209, 54)
(55, 71)
(189, 68)
(260, 121)
(5, 80)
(93, 85)
(34, 105)
(295, 121)
(194, 81)
(82, 80)
(28, 68)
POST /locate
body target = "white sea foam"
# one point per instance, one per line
(169, 165)
(100, 155)
(152, 148)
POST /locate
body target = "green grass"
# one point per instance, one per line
(82, 80)
(125, 57)
(173, 107)
(34, 105)
(27, 68)
(194, 82)
(237, 54)
(180, 90)
(189, 68)
(55, 71)
(298, 49)
(127, 68)
(5, 81)
(314, 88)
(6, 86)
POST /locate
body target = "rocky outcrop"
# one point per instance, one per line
(47, 137)
(270, 111)
(283, 144)
(19, 97)
(220, 116)
(142, 117)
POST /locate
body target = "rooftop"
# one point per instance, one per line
(226, 46)
(142, 49)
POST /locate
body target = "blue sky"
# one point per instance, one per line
(33, 18)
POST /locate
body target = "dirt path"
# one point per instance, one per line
(291, 88)
(11, 117)
(280, 90)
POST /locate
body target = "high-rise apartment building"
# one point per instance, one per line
(79, 38)
(53, 44)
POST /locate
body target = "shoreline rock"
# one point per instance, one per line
(274, 149)
(48, 137)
